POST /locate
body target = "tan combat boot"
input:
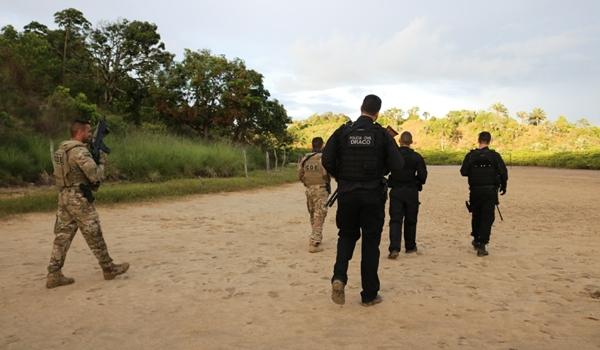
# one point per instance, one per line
(337, 292)
(57, 279)
(314, 248)
(114, 270)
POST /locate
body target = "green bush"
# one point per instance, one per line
(136, 156)
(153, 156)
(45, 200)
(438, 157)
(23, 158)
(572, 159)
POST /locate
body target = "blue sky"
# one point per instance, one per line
(320, 56)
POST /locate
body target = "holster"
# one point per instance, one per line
(86, 190)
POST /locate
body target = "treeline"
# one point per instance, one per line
(122, 69)
(530, 131)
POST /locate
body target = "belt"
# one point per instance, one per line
(485, 187)
(72, 187)
(320, 186)
(410, 185)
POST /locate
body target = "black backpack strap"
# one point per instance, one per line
(307, 158)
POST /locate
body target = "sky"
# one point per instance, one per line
(321, 56)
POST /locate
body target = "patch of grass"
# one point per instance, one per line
(572, 160)
(136, 156)
(568, 159)
(142, 156)
(438, 157)
(41, 201)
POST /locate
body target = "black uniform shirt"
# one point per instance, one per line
(499, 164)
(414, 172)
(331, 154)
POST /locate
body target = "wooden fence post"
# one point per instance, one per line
(284, 158)
(245, 162)
(267, 160)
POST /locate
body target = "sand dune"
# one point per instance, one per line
(232, 271)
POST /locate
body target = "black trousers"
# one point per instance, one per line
(404, 209)
(360, 211)
(483, 203)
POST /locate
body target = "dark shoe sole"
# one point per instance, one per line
(378, 299)
(66, 283)
(393, 255)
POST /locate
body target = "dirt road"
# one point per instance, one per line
(232, 271)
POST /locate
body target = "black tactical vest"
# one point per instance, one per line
(361, 153)
(408, 174)
(483, 168)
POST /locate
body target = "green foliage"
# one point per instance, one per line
(458, 130)
(138, 155)
(322, 125)
(537, 116)
(23, 158)
(446, 140)
(45, 200)
(575, 160)
(154, 156)
(61, 108)
(216, 97)
(48, 76)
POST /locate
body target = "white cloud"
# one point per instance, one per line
(423, 65)
(422, 52)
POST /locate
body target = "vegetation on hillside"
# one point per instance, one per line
(529, 140)
(168, 118)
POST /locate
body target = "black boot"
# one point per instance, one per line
(481, 250)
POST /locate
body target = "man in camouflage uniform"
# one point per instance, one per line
(76, 173)
(317, 182)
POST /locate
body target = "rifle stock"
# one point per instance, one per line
(332, 199)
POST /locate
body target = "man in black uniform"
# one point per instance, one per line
(487, 174)
(404, 198)
(358, 155)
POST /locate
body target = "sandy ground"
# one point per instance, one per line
(232, 271)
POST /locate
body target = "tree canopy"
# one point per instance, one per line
(122, 68)
(458, 130)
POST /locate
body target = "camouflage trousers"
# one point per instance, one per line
(75, 212)
(316, 197)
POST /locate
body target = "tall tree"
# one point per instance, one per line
(413, 113)
(205, 79)
(499, 109)
(523, 116)
(124, 50)
(73, 24)
(537, 116)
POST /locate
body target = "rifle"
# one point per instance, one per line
(97, 144)
(332, 199)
(499, 212)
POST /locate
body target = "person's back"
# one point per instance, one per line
(486, 174)
(317, 182)
(358, 155)
(404, 198)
